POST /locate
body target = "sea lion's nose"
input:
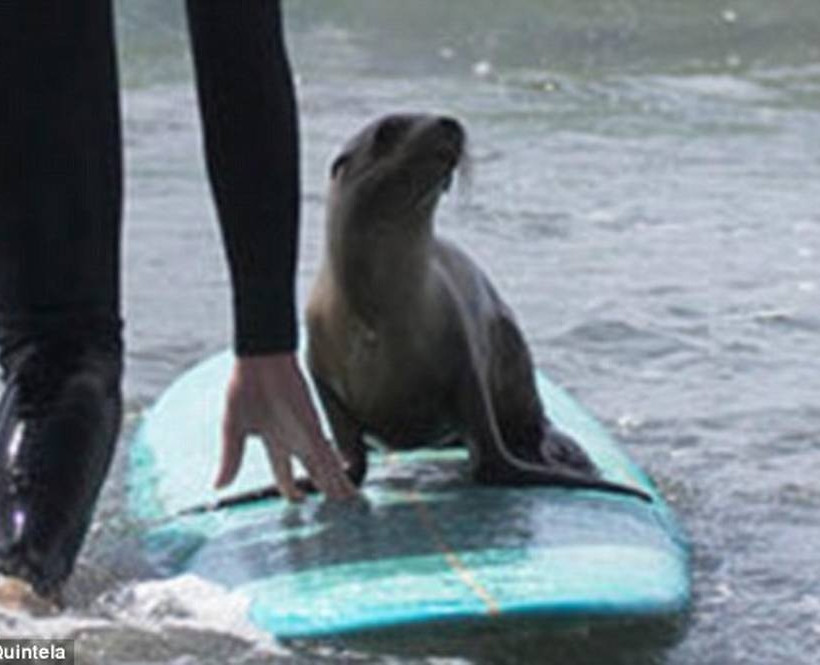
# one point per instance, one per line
(451, 126)
(453, 134)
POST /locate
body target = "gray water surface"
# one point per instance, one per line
(645, 195)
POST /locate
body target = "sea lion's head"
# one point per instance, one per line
(396, 168)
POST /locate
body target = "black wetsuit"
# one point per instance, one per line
(60, 167)
(60, 214)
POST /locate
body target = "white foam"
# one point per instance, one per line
(172, 609)
(185, 602)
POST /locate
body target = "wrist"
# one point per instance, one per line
(273, 360)
(264, 325)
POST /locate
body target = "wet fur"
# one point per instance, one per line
(409, 340)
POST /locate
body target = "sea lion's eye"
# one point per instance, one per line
(338, 163)
(388, 132)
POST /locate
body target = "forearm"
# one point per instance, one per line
(248, 109)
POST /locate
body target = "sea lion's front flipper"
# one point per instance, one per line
(347, 433)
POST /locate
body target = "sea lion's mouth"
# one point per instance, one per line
(450, 151)
(428, 194)
(453, 157)
(439, 153)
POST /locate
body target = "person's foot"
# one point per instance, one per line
(17, 595)
(59, 420)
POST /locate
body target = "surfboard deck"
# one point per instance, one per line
(427, 549)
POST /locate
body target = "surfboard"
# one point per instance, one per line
(427, 550)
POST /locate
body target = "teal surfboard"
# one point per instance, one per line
(427, 550)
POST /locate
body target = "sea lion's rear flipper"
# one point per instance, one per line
(556, 449)
(493, 462)
(527, 432)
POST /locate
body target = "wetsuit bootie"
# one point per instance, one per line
(60, 415)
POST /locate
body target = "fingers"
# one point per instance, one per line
(267, 395)
(320, 460)
(233, 448)
(327, 472)
(280, 461)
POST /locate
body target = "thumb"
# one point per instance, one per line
(233, 448)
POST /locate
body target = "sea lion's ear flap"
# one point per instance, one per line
(338, 163)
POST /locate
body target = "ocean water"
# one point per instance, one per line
(646, 195)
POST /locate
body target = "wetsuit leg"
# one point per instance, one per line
(60, 344)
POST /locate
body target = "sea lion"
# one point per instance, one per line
(408, 339)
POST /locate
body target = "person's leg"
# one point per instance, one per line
(60, 346)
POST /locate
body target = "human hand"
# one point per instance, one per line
(267, 395)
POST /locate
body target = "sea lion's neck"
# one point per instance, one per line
(382, 267)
